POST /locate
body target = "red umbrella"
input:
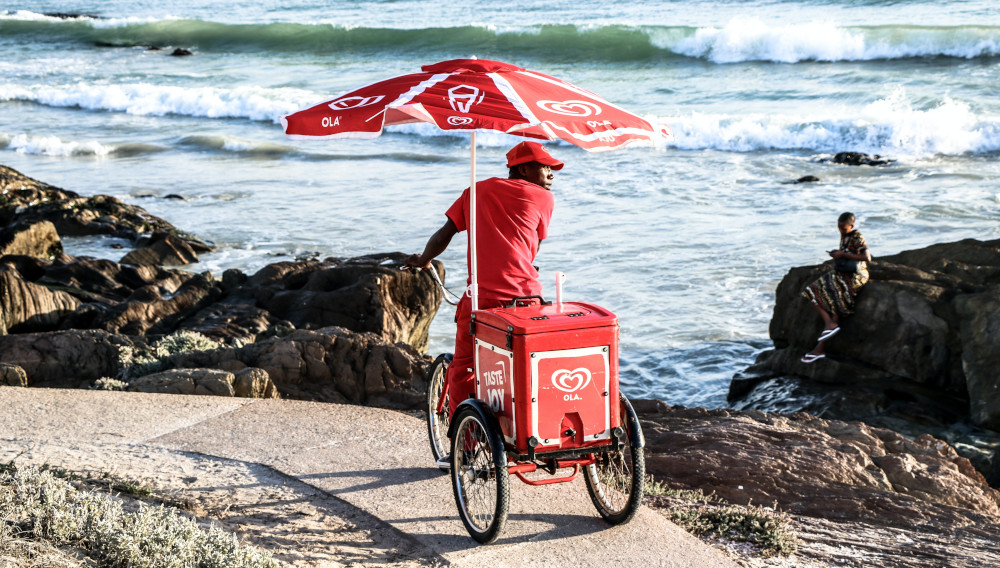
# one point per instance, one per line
(478, 94)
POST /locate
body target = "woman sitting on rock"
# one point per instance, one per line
(833, 294)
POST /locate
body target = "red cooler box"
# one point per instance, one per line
(550, 373)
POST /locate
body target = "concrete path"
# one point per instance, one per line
(373, 459)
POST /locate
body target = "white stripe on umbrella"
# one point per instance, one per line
(515, 99)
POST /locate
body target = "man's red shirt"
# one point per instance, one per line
(513, 218)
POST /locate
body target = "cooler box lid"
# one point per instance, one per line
(538, 318)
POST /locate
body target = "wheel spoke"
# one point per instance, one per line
(478, 487)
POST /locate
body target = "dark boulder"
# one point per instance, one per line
(161, 248)
(860, 159)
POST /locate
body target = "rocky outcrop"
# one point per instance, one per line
(926, 323)
(364, 294)
(88, 293)
(246, 383)
(810, 466)
(28, 201)
(919, 356)
(330, 364)
(70, 359)
(332, 330)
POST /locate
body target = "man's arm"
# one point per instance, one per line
(435, 245)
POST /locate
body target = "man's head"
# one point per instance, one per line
(531, 162)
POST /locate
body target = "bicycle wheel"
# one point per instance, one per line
(437, 422)
(616, 482)
(481, 486)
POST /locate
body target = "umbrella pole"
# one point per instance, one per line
(473, 261)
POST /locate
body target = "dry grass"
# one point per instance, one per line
(42, 516)
(711, 517)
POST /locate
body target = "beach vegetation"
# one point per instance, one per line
(143, 360)
(37, 506)
(711, 517)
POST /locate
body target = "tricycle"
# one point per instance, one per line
(547, 400)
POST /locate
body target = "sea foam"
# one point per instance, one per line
(53, 146)
(749, 39)
(254, 103)
(891, 125)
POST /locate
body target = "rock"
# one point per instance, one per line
(368, 293)
(74, 16)
(150, 311)
(162, 249)
(803, 179)
(860, 159)
(38, 239)
(229, 321)
(920, 354)
(247, 383)
(30, 307)
(12, 376)
(181, 52)
(107, 295)
(329, 365)
(252, 382)
(26, 200)
(979, 336)
(65, 359)
(810, 466)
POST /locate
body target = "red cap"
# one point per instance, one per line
(531, 152)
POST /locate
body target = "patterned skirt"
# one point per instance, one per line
(835, 291)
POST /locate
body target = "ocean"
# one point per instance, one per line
(686, 243)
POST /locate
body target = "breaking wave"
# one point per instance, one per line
(893, 125)
(254, 103)
(890, 126)
(57, 147)
(740, 40)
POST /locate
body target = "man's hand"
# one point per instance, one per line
(413, 264)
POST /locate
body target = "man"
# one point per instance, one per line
(513, 218)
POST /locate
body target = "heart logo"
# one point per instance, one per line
(571, 381)
(571, 108)
(348, 103)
